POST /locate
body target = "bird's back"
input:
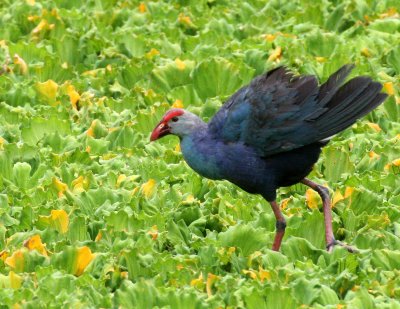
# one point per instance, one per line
(278, 112)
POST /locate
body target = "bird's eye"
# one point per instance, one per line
(174, 119)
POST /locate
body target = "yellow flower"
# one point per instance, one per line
(60, 220)
(43, 25)
(365, 52)
(153, 232)
(284, 203)
(190, 199)
(35, 243)
(183, 19)
(373, 155)
(16, 260)
(198, 282)
(121, 178)
(337, 197)
(374, 126)
(60, 186)
(48, 91)
(263, 274)
(142, 8)
(270, 37)
(153, 52)
(389, 88)
(99, 236)
(90, 131)
(23, 67)
(180, 64)
(252, 274)
(320, 59)
(15, 280)
(74, 96)
(348, 192)
(211, 278)
(312, 198)
(148, 187)
(3, 255)
(2, 142)
(275, 54)
(177, 104)
(80, 184)
(84, 257)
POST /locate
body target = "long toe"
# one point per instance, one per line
(335, 242)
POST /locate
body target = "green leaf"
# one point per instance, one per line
(386, 259)
(172, 75)
(337, 162)
(246, 238)
(214, 78)
(39, 127)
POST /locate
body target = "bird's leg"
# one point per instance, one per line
(280, 226)
(329, 237)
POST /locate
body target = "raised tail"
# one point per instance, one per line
(345, 104)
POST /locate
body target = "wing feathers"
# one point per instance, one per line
(278, 111)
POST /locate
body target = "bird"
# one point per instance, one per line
(270, 133)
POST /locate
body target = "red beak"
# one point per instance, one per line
(159, 131)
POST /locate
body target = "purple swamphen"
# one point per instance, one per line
(270, 133)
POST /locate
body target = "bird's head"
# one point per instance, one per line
(176, 121)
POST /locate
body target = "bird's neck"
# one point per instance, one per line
(198, 150)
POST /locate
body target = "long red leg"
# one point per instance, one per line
(329, 237)
(280, 226)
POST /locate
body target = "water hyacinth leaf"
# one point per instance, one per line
(281, 297)
(298, 248)
(21, 174)
(306, 291)
(58, 220)
(141, 294)
(132, 73)
(47, 91)
(335, 19)
(77, 230)
(178, 233)
(214, 78)
(16, 261)
(393, 59)
(35, 243)
(10, 281)
(172, 75)
(84, 257)
(337, 162)
(386, 259)
(327, 296)
(360, 299)
(310, 228)
(74, 260)
(133, 44)
(244, 237)
(186, 94)
(68, 50)
(23, 260)
(392, 108)
(389, 25)
(38, 127)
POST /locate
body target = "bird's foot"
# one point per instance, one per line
(335, 242)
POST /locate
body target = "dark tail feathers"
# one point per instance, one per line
(345, 104)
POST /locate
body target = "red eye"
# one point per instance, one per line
(175, 119)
